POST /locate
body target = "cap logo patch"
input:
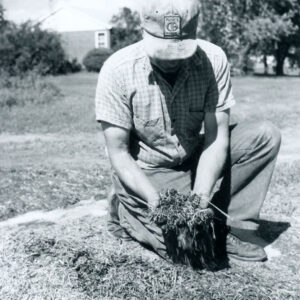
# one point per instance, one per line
(172, 27)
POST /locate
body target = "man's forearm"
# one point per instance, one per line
(133, 177)
(210, 166)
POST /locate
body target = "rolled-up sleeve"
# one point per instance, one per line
(212, 95)
(219, 95)
(112, 104)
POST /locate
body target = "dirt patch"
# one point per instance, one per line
(26, 138)
(84, 208)
(85, 149)
(30, 138)
(61, 151)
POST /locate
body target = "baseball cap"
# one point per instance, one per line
(170, 28)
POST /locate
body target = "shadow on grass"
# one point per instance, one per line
(270, 230)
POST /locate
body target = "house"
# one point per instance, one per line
(79, 31)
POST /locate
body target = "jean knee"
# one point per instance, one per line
(271, 134)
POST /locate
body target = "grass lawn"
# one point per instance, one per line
(52, 159)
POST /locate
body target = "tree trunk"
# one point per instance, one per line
(266, 67)
(280, 55)
(280, 67)
(243, 59)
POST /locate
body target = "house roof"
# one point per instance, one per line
(70, 19)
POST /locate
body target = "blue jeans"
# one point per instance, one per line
(243, 186)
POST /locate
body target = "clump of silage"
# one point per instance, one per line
(188, 230)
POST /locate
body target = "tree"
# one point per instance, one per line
(294, 58)
(26, 47)
(126, 28)
(276, 30)
(3, 22)
(289, 10)
(244, 27)
(223, 23)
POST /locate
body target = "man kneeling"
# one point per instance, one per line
(152, 99)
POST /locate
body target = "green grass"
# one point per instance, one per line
(72, 114)
(31, 88)
(52, 155)
(267, 98)
(259, 98)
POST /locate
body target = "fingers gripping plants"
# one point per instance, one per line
(188, 230)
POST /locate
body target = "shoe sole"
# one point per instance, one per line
(235, 257)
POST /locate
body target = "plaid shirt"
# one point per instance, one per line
(165, 122)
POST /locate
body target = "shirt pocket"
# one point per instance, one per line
(151, 132)
(194, 123)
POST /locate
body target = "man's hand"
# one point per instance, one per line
(204, 201)
(154, 202)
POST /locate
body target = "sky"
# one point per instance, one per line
(22, 10)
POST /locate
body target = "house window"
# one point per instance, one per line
(101, 40)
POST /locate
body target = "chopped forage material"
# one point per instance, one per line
(188, 230)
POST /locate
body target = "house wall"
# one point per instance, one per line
(77, 44)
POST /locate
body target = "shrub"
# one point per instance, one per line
(27, 47)
(29, 88)
(72, 66)
(95, 59)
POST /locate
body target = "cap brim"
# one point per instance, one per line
(169, 49)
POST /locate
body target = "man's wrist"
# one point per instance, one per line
(202, 194)
(204, 199)
(153, 201)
